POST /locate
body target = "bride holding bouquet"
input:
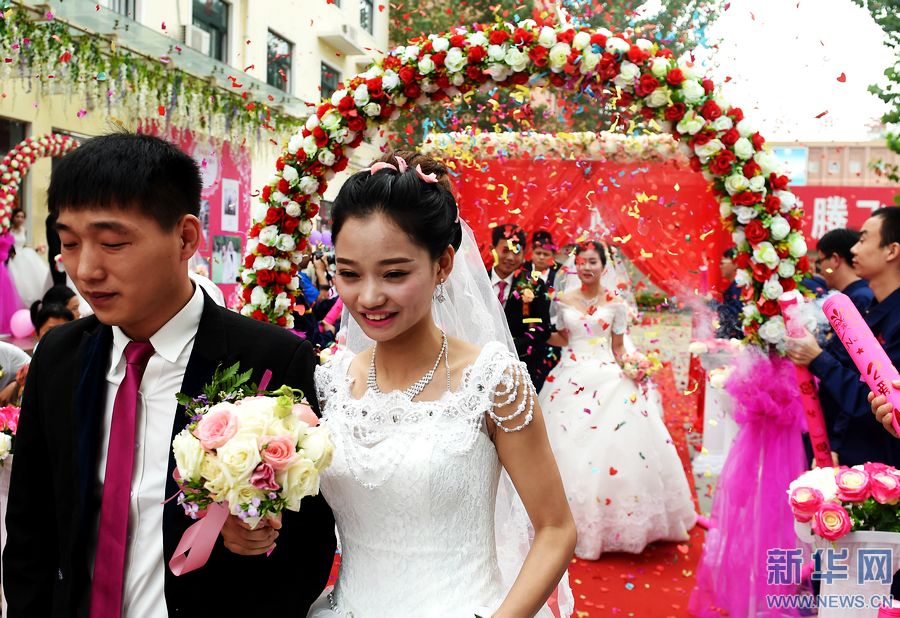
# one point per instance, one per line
(622, 475)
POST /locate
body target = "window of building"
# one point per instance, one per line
(331, 79)
(834, 167)
(855, 167)
(278, 63)
(122, 7)
(212, 16)
(367, 14)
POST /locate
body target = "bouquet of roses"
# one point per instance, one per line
(9, 422)
(255, 454)
(837, 501)
(640, 367)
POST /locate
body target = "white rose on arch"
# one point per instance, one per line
(786, 269)
(772, 289)
(559, 55)
(736, 183)
(658, 98)
(659, 66)
(744, 214)
(704, 151)
(496, 53)
(455, 60)
(582, 40)
(268, 234)
(440, 44)
(516, 59)
(742, 277)
(779, 227)
(326, 158)
(773, 331)
(724, 209)
(690, 124)
(259, 297)
(796, 244)
(722, 123)
(743, 148)
(692, 91)
(614, 44)
(547, 37)
(765, 253)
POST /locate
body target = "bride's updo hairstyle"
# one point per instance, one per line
(592, 245)
(425, 209)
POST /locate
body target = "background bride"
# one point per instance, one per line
(427, 414)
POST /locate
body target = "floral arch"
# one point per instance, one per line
(637, 76)
(15, 165)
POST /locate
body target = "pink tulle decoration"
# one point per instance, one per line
(750, 512)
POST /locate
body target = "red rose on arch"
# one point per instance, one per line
(746, 198)
(722, 162)
(637, 55)
(457, 40)
(751, 168)
(803, 264)
(498, 37)
(769, 308)
(761, 272)
(566, 36)
(538, 55)
(708, 85)
(730, 137)
(646, 84)
(736, 113)
(265, 278)
(675, 112)
(598, 39)
(696, 165)
(772, 204)
(675, 77)
(477, 54)
(788, 284)
(779, 183)
(711, 110)
(742, 260)
(756, 232)
(273, 216)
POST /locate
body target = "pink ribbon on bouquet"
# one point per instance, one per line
(198, 541)
(812, 407)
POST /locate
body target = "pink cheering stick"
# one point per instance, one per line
(870, 358)
(815, 420)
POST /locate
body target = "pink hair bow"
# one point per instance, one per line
(382, 165)
(429, 178)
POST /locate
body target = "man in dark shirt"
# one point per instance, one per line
(835, 265)
(856, 435)
(730, 308)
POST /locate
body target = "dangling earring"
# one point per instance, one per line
(439, 292)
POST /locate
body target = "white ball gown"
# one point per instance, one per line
(29, 271)
(623, 477)
(413, 488)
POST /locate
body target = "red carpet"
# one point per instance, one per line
(658, 582)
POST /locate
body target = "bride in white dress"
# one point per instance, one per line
(623, 477)
(30, 271)
(427, 425)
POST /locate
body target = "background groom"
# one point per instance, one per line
(88, 531)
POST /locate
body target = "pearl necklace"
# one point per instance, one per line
(416, 389)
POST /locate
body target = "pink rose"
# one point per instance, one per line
(304, 413)
(831, 521)
(885, 487)
(264, 478)
(216, 428)
(805, 501)
(873, 466)
(279, 452)
(852, 484)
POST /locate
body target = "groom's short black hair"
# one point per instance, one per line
(509, 231)
(128, 171)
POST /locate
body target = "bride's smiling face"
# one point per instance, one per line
(590, 266)
(385, 279)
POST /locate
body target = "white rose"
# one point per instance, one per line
(282, 303)
(528, 24)
(243, 495)
(559, 54)
(658, 97)
(743, 148)
(294, 285)
(289, 174)
(372, 110)
(282, 264)
(268, 234)
(332, 120)
(426, 65)
(796, 245)
(822, 479)
(361, 95)
(765, 253)
(704, 151)
(788, 200)
(345, 136)
(278, 198)
(239, 457)
(285, 242)
(628, 71)
(498, 72)
(311, 123)
(744, 214)
(337, 96)
(749, 311)
(742, 277)
(724, 209)
(582, 40)
(746, 128)
(455, 60)
(786, 269)
(440, 44)
(258, 211)
(659, 66)
(390, 80)
(496, 53)
(217, 479)
(773, 331)
(410, 53)
(589, 62)
(317, 447)
(305, 227)
(738, 238)
(293, 209)
(309, 145)
(772, 289)
(547, 37)
(308, 185)
(259, 297)
(780, 228)
(516, 59)
(247, 277)
(758, 184)
(298, 481)
(690, 124)
(296, 141)
(477, 38)
(692, 91)
(615, 44)
(188, 455)
(5, 445)
(644, 44)
(264, 262)
(722, 123)
(326, 158)
(736, 183)
(247, 310)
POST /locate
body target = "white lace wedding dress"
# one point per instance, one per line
(413, 488)
(623, 477)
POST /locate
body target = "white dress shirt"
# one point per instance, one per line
(144, 592)
(495, 284)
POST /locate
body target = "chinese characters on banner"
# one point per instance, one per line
(828, 208)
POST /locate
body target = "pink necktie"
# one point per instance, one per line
(501, 295)
(112, 540)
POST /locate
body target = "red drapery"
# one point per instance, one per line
(662, 215)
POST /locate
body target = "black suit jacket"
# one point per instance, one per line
(530, 327)
(52, 507)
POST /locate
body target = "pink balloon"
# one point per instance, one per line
(20, 324)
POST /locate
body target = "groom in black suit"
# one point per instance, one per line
(525, 299)
(127, 210)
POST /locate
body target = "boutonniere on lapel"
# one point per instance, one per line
(526, 289)
(245, 452)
